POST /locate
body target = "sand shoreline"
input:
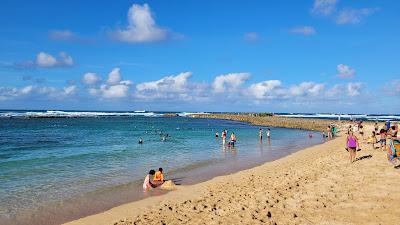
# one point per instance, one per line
(316, 185)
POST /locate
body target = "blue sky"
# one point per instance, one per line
(281, 56)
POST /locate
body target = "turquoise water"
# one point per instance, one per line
(57, 169)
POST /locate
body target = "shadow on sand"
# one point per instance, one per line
(364, 157)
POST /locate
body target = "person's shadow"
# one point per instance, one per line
(364, 157)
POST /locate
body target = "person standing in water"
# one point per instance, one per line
(223, 137)
(216, 135)
(352, 145)
(268, 133)
(233, 139)
(260, 133)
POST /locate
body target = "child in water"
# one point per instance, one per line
(159, 176)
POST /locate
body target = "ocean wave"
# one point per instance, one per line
(72, 114)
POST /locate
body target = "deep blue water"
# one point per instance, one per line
(49, 161)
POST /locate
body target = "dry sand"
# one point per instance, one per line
(317, 185)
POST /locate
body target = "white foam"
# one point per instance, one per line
(64, 114)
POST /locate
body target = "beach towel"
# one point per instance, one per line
(394, 150)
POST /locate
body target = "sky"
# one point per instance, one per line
(332, 56)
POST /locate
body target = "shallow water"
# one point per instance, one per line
(58, 169)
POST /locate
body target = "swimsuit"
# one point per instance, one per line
(352, 143)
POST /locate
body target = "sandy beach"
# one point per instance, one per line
(317, 185)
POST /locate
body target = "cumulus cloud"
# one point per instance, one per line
(305, 89)
(346, 15)
(113, 88)
(251, 37)
(229, 81)
(169, 87)
(64, 35)
(324, 7)
(114, 91)
(353, 16)
(46, 60)
(345, 71)
(37, 92)
(114, 77)
(304, 30)
(90, 78)
(265, 89)
(141, 27)
(354, 89)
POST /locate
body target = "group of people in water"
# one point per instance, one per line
(385, 133)
(158, 179)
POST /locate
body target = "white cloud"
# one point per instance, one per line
(65, 60)
(70, 90)
(345, 71)
(113, 88)
(26, 90)
(341, 16)
(265, 89)
(229, 81)
(306, 89)
(46, 60)
(65, 35)
(354, 89)
(36, 92)
(324, 7)
(304, 30)
(174, 87)
(141, 26)
(114, 91)
(114, 77)
(352, 16)
(251, 37)
(90, 78)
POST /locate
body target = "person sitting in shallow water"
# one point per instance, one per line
(159, 176)
(147, 185)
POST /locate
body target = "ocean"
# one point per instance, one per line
(58, 166)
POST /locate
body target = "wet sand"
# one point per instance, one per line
(317, 185)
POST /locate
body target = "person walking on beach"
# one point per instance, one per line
(376, 127)
(382, 133)
(361, 130)
(352, 145)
